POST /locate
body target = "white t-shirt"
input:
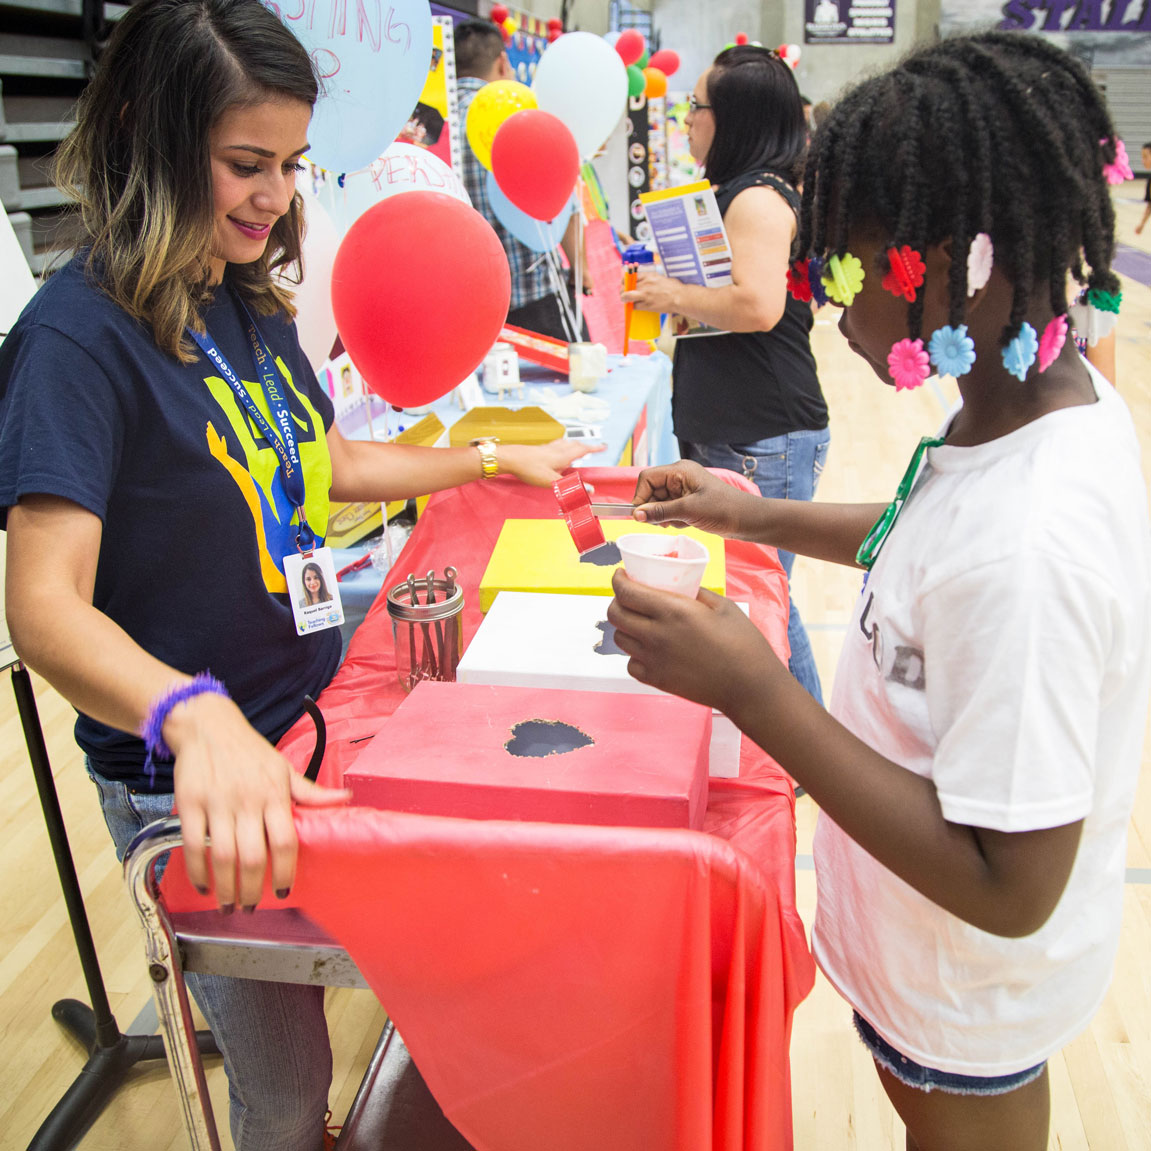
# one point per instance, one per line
(1000, 648)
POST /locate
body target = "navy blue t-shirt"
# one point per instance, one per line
(195, 521)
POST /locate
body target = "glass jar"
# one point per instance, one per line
(425, 615)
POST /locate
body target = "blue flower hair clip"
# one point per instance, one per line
(1020, 353)
(952, 351)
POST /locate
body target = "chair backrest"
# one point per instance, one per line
(563, 986)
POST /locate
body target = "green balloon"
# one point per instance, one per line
(641, 63)
(636, 80)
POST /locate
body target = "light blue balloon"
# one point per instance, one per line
(372, 57)
(538, 235)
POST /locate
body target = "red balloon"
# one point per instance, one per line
(630, 46)
(420, 291)
(499, 13)
(554, 34)
(666, 61)
(555, 22)
(741, 38)
(535, 161)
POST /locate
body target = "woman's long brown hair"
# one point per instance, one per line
(137, 163)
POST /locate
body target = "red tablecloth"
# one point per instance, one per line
(545, 974)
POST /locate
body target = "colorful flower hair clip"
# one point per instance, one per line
(1052, 341)
(1020, 353)
(1104, 301)
(1120, 168)
(906, 274)
(799, 280)
(908, 363)
(980, 260)
(815, 279)
(842, 278)
(952, 351)
(1091, 324)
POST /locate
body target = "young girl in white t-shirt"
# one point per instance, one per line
(979, 764)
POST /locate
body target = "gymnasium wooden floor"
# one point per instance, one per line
(1101, 1082)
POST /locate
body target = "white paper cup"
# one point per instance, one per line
(671, 562)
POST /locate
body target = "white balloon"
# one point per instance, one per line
(315, 322)
(372, 63)
(402, 168)
(582, 80)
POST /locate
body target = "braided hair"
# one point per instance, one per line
(998, 133)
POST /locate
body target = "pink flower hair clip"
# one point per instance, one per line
(909, 364)
(980, 260)
(906, 274)
(1120, 168)
(843, 278)
(1052, 341)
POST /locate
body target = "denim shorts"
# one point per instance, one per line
(928, 1079)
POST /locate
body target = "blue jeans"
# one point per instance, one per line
(784, 467)
(273, 1036)
(928, 1079)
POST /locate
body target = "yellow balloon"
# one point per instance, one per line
(511, 26)
(490, 107)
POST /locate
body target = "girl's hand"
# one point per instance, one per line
(540, 464)
(684, 494)
(654, 292)
(234, 788)
(703, 649)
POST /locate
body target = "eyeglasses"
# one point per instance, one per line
(693, 105)
(874, 540)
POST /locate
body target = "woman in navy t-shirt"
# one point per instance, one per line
(161, 432)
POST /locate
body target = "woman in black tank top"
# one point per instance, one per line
(749, 399)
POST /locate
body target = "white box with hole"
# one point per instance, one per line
(536, 639)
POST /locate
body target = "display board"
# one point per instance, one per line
(849, 22)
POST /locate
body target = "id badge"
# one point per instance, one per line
(313, 590)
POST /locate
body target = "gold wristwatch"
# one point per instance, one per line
(489, 459)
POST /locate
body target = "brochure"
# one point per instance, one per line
(688, 233)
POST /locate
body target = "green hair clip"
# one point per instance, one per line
(1104, 301)
(843, 278)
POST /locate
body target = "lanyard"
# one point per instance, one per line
(291, 471)
(881, 529)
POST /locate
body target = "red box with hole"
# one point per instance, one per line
(538, 754)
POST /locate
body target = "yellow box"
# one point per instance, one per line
(350, 523)
(539, 556)
(518, 426)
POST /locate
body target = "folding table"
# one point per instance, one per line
(562, 986)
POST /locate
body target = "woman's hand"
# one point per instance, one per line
(541, 464)
(236, 790)
(654, 292)
(684, 494)
(703, 649)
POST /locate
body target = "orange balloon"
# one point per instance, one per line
(656, 85)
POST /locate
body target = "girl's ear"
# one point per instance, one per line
(937, 301)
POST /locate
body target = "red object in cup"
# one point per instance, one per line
(581, 515)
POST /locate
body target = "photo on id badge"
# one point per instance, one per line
(313, 590)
